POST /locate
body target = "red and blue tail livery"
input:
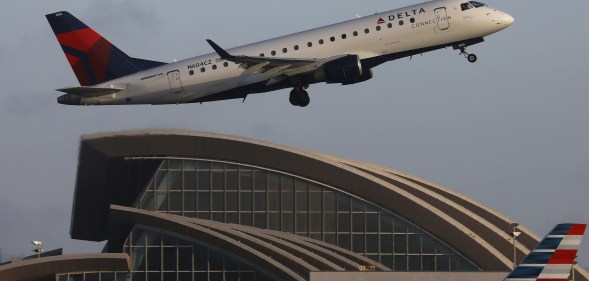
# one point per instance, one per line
(553, 258)
(93, 58)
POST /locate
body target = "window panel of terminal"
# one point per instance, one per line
(267, 199)
(161, 256)
(94, 276)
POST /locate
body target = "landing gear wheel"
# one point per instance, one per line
(293, 98)
(304, 99)
(472, 58)
(299, 97)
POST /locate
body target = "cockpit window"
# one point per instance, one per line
(466, 6)
(477, 4)
(471, 5)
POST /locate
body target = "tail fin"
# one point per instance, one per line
(553, 258)
(93, 59)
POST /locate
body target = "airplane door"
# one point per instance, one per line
(175, 83)
(442, 18)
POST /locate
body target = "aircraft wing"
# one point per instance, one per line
(272, 67)
(89, 91)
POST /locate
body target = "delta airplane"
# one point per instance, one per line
(343, 53)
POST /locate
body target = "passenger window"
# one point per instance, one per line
(214, 66)
(191, 72)
(226, 64)
(202, 69)
(296, 47)
(355, 33)
(344, 36)
(378, 28)
(273, 53)
(320, 41)
(284, 50)
(390, 25)
(412, 20)
(262, 54)
(401, 22)
(332, 39)
(309, 44)
(366, 30)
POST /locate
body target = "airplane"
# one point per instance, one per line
(342, 53)
(553, 257)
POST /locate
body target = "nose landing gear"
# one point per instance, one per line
(470, 57)
(299, 97)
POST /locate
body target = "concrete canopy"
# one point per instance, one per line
(283, 255)
(45, 269)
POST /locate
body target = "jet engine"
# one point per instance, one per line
(345, 70)
(69, 99)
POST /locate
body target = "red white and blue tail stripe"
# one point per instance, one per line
(553, 258)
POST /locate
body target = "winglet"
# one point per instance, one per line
(222, 53)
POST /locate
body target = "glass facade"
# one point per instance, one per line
(267, 199)
(157, 256)
(94, 276)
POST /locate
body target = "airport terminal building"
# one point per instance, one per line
(180, 205)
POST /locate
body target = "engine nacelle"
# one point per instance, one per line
(346, 70)
(366, 75)
(69, 99)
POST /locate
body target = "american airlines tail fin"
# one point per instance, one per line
(93, 59)
(553, 258)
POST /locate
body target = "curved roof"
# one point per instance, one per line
(46, 268)
(287, 256)
(474, 230)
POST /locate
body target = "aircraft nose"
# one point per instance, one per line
(507, 19)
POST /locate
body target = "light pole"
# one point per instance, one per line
(514, 234)
(38, 247)
(573, 269)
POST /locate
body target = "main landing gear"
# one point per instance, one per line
(470, 57)
(299, 97)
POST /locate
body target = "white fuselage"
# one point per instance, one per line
(421, 26)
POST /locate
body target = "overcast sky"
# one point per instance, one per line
(510, 131)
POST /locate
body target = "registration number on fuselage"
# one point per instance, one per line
(199, 64)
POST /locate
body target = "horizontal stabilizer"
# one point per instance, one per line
(86, 91)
